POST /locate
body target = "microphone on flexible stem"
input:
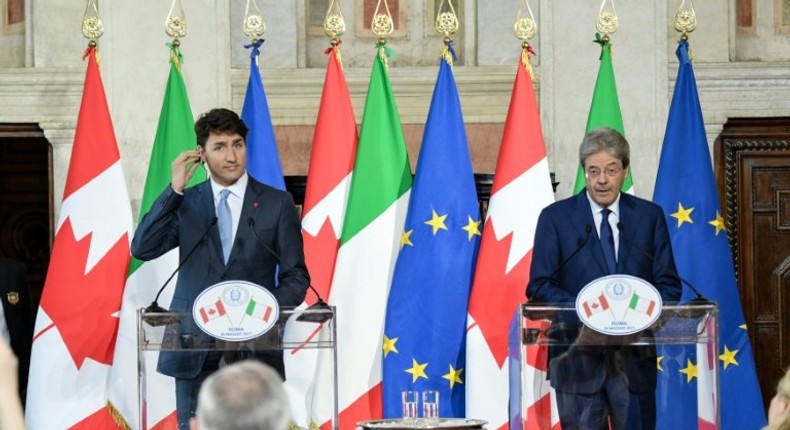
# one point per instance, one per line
(699, 299)
(319, 312)
(587, 230)
(154, 308)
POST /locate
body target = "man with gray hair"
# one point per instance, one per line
(601, 231)
(246, 395)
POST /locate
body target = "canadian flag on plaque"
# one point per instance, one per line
(212, 312)
(596, 305)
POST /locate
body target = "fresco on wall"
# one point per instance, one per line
(14, 14)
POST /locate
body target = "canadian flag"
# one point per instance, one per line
(212, 312)
(522, 188)
(595, 306)
(326, 194)
(77, 321)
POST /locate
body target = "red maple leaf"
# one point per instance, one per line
(320, 252)
(496, 294)
(81, 304)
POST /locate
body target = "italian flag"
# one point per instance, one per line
(605, 109)
(642, 305)
(175, 133)
(372, 229)
(256, 310)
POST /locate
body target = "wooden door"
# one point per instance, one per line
(26, 200)
(753, 172)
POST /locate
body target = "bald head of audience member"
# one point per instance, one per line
(247, 395)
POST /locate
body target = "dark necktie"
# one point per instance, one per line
(607, 242)
(225, 223)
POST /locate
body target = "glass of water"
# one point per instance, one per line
(430, 407)
(409, 401)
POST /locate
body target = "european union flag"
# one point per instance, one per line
(686, 190)
(425, 328)
(263, 160)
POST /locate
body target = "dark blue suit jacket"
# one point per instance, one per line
(562, 228)
(179, 221)
(19, 315)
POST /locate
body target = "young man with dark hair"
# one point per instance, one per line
(231, 250)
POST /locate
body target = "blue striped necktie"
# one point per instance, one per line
(225, 223)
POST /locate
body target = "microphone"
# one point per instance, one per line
(319, 312)
(699, 299)
(587, 230)
(154, 306)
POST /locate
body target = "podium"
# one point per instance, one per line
(541, 333)
(177, 333)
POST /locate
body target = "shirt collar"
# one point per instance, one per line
(614, 207)
(236, 189)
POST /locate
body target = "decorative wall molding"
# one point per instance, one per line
(51, 97)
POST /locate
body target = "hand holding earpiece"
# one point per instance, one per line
(183, 168)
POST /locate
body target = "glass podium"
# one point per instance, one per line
(550, 350)
(177, 333)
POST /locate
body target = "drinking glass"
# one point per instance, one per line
(430, 407)
(410, 399)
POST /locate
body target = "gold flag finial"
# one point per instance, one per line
(446, 19)
(254, 26)
(176, 23)
(92, 27)
(525, 27)
(606, 22)
(686, 19)
(382, 25)
(334, 23)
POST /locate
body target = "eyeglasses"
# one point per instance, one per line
(594, 172)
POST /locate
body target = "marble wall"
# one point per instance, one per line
(135, 65)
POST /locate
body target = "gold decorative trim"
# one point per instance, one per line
(606, 22)
(686, 18)
(92, 27)
(176, 22)
(254, 25)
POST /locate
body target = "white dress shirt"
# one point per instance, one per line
(235, 200)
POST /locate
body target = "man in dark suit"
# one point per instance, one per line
(16, 327)
(595, 385)
(231, 250)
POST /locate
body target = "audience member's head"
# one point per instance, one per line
(778, 412)
(247, 395)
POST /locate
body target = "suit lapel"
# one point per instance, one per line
(249, 210)
(628, 217)
(582, 218)
(207, 207)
